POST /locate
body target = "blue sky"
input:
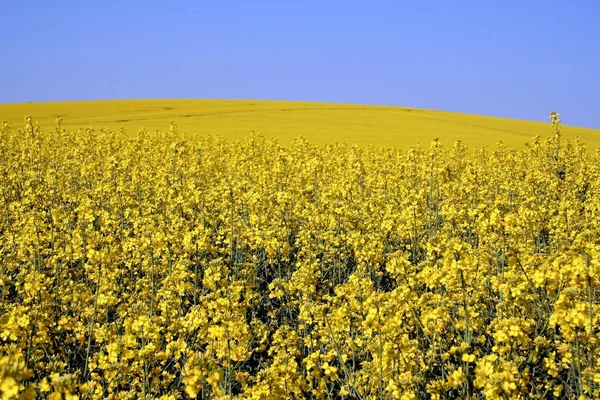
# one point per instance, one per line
(511, 58)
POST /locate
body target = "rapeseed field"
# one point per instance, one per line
(166, 264)
(319, 123)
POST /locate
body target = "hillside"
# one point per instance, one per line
(318, 122)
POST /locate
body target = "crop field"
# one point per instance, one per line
(320, 123)
(167, 264)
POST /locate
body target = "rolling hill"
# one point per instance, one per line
(319, 122)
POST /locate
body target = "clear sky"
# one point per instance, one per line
(512, 58)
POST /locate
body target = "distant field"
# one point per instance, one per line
(319, 122)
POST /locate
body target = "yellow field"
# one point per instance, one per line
(170, 265)
(320, 123)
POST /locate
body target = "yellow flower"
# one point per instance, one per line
(9, 388)
(329, 369)
(457, 378)
(214, 378)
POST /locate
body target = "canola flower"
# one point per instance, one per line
(163, 265)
